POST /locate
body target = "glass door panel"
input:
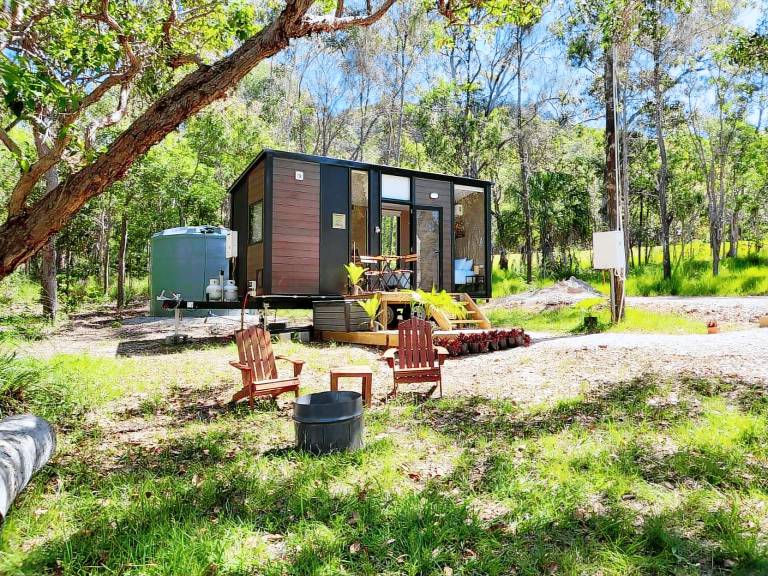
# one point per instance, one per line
(427, 248)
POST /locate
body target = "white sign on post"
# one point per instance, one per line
(608, 250)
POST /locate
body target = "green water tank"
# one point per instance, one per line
(182, 260)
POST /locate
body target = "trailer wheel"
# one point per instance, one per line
(388, 316)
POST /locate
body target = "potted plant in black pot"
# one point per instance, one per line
(355, 273)
(474, 343)
(464, 341)
(493, 340)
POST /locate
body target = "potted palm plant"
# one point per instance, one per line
(429, 302)
(371, 308)
(355, 273)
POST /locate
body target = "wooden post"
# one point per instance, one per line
(611, 178)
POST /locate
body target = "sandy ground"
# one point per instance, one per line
(739, 310)
(554, 367)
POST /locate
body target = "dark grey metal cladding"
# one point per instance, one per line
(340, 316)
(238, 220)
(334, 242)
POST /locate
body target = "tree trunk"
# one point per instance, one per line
(617, 284)
(625, 181)
(24, 234)
(49, 293)
(641, 235)
(503, 260)
(663, 177)
(401, 111)
(121, 262)
(714, 243)
(49, 296)
(733, 251)
(106, 233)
(522, 150)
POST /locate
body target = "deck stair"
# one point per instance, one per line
(474, 318)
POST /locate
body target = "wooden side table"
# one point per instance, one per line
(362, 372)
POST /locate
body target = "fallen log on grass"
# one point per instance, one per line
(26, 444)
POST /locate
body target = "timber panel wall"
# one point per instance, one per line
(423, 188)
(295, 227)
(255, 256)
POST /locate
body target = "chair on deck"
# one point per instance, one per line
(258, 369)
(373, 278)
(404, 273)
(416, 359)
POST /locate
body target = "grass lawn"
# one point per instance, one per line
(745, 275)
(570, 319)
(640, 477)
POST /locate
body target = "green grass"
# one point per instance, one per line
(648, 476)
(512, 282)
(744, 275)
(18, 290)
(570, 319)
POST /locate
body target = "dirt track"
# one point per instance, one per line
(552, 368)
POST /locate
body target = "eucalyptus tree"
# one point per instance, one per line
(407, 44)
(717, 101)
(63, 57)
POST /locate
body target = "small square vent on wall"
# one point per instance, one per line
(299, 175)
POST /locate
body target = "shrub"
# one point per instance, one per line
(26, 387)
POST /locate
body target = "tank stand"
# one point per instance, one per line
(176, 338)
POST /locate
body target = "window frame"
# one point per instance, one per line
(251, 206)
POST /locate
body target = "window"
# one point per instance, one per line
(395, 187)
(390, 233)
(358, 236)
(468, 237)
(256, 222)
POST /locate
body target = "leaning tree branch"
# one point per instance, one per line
(23, 234)
(37, 170)
(109, 119)
(6, 139)
(329, 23)
(49, 159)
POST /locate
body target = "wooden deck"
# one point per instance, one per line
(475, 317)
(382, 338)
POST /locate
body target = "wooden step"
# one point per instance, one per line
(465, 321)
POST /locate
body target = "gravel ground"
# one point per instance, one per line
(739, 310)
(554, 367)
(561, 367)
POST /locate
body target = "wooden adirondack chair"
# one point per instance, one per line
(258, 369)
(416, 359)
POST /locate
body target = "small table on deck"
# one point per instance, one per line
(363, 372)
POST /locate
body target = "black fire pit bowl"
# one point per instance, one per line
(328, 422)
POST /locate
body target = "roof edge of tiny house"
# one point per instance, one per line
(412, 172)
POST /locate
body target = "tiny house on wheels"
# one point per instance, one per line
(301, 218)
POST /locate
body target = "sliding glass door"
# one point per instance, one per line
(428, 221)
